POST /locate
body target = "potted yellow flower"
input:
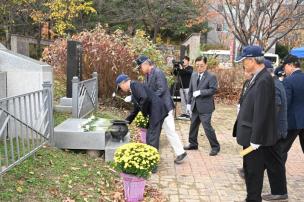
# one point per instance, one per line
(142, 123)
(135, 162)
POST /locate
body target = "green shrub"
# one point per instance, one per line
(141, 44)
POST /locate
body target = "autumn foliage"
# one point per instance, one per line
(107, 54)
(229, 84)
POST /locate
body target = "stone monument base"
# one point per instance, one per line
(69, 135)
(65, 105)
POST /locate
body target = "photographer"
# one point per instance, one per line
(183, 72)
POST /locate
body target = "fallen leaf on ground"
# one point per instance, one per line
(68, 199)
(19, 189)
(54, 191)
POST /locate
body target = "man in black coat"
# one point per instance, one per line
(276, 170)
(294, 86)
(146, 101)
(255, 124)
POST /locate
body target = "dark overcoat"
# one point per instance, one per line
(257, 117)
(157, 82)
(146, 101)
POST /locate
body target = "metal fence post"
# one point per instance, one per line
(95, 75)
(47, 86)
(75, 89)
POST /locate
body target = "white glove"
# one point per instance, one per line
(189, 108)
(128, 98)
(255, 146)
(196, 93)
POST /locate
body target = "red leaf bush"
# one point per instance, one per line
(230, 84)
(106, 54)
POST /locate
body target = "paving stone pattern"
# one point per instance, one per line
(214, 178)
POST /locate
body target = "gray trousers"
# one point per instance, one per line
(205, 119)
(184, 92)
(153, 134)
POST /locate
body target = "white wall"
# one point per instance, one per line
(23, 73)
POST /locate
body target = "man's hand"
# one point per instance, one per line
(128, 98)
(196, 93)
(188, 108)
(255, 146)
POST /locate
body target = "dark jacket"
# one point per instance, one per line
(207, 86)
(281, 109)
(294, 88)
(256, 119)
(157, 82)
(148, 103)
(185, 76)
(244, 88)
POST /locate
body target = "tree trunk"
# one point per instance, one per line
(38, 50)
(155, 32)
(8, 37)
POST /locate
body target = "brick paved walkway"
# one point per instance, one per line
(205, 178)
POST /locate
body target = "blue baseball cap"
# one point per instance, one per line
(268, 64)
(121, 78)
(250, 51)
(291, 59)
(141, 59)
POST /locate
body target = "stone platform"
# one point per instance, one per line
(69, 135)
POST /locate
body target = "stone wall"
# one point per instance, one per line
(24, 74)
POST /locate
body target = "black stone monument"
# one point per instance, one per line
(74, 64)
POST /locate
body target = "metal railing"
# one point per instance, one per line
(84, 96)
(26, 124)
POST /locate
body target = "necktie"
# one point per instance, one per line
(198, 79)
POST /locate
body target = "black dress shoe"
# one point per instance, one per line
(270, 197)
(190, 147)
(214, 152)
(179, 159)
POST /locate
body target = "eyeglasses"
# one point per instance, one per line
(202, 65)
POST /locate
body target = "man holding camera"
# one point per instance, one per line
(183, 72)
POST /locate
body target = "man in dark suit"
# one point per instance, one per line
(276, 170)
(294, 87)
(203, 86)
(255, 124)
(156, 80)
(148, 103)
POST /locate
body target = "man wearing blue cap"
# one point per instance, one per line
(157, 82)
(294, 86)
(276, 168)
(148, 103)
(255, 124)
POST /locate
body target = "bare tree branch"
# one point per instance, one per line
(254, 21)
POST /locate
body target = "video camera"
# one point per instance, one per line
(176, 64)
